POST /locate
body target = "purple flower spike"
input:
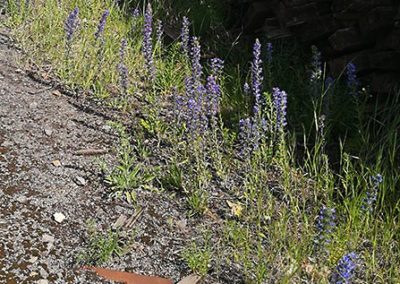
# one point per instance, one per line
(122, 50)
(195, 58)
(147, 41)
(249, 136)
(122, 69)
(280, 104)
(256, 75)
(136, 13)
(185, 35)
(372, 194)
(101, 25)
(352, 81)
(326, 222)
(71, 24)
(159, 30)
(269, 52)
(217, 65)
(345, 269)
(316, 64)
(214, 95)
(329, 82)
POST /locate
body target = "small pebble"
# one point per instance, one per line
(48, 131)
(21, 199)
(56, 163)
(80, 181)
(33, 259)
(47, 238)
(59, 217)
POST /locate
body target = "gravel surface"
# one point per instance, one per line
(37, 128)
(40, 175)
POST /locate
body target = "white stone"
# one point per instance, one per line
(59, 217)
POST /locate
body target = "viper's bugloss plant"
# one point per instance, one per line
(102, 23)
(122, 69)
(71, 24)
(316, 65)
(159, 30)
(185, 35)
(351, 78)
(325, 224)
(135, 12)
(147, 41)
(214, 94)
(256, 76)
(200, 103)
(197, 69)
(270, 50)
(329, 82)
(345, 269)
(372, 194)
(249, 136)
(280, 105)
(213, 87)
(217, 66)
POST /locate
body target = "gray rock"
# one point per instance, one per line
(80, 181)
(47, 238)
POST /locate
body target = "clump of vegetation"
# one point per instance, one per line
(102, 247)
(295, 214)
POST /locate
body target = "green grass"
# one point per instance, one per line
(326, 157)
(102, 247)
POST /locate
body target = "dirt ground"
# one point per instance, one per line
(38, 127)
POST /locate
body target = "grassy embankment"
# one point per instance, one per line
(297, 211)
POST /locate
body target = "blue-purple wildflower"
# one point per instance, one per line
(136, 13)
(213, 87)
(159, 30)
(185, 35)
(200, 103)
(147, 41)
(280, 105)
(71, 24)
(122, 50)
(214, 95)
(345, 269)
(269, 52)
(352, 81)
(326, 223)
(329, 82)
(372, 194)
(197, 69)
(122, 69)
(316, 65)
(101, 25)
(249, 136)
(195, 108)
(217, 65)
(256, 76)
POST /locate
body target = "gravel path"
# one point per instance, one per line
(37, 128)
(41, 174)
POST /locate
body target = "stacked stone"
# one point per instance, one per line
(365, 32)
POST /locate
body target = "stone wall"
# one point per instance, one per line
(366, 32)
